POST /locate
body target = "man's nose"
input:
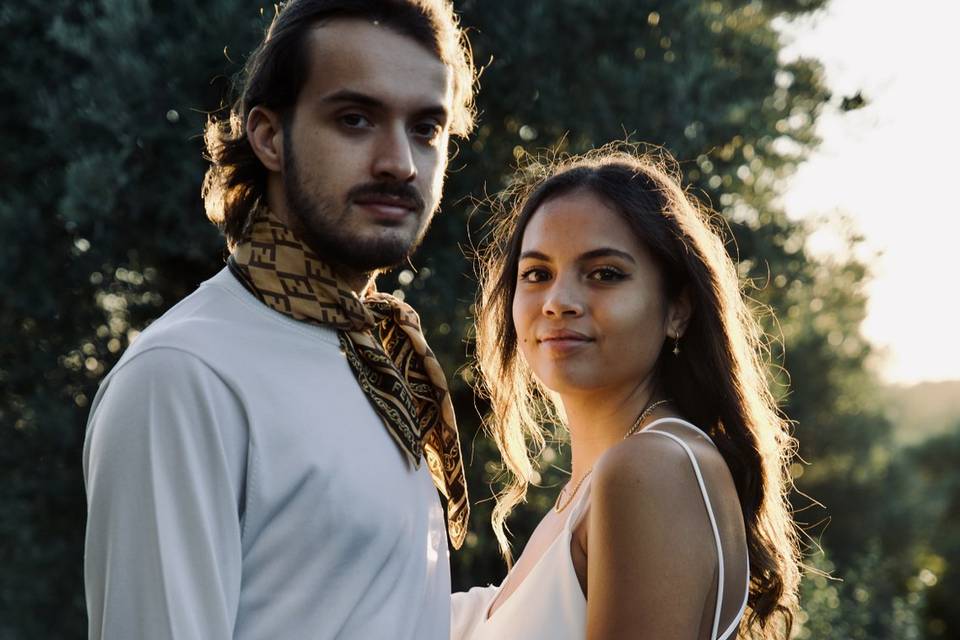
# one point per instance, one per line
(394, 156)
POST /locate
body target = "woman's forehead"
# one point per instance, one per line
(578, 221)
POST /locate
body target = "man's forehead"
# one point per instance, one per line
(361, 56)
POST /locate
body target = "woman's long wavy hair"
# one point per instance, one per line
(277, 70)
(718, 381)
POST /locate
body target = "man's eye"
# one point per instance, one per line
(355, 120)
(534, 275)
(427, 130)
(607, 274)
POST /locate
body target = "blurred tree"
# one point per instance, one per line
(864, 605)
(934, 464)
(103, 103)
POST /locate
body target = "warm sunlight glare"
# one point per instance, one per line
(891, 166)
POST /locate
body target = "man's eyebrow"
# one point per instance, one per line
(353, 97)
(437, 111)
(348, 96)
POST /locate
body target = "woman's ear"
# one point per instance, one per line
(265, 133)
(679, 313)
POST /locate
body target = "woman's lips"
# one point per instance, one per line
(564, 342)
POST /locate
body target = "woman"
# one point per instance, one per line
(611, 306)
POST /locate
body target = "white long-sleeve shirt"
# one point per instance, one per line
(240, 485)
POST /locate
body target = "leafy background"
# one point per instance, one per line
(101, 107)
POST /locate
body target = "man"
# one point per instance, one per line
(253, 463)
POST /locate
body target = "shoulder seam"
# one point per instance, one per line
(162, 347)
(227, 386)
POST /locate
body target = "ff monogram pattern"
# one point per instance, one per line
(383, 342)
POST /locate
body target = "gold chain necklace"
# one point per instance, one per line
(643, 416)
(633, 429)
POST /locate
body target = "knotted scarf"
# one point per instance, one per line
(384, 345)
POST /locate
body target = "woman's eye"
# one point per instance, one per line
(534, 275)
(607, 274)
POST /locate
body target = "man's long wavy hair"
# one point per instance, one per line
(718, 381)
(277, 70)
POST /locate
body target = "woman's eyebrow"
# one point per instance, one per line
(607, 252)
(603, 252)
(534, 255)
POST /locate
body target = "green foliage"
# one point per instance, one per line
(923, 410)
(864, 605)
(101, 169)
(103, 104)
(938, 478)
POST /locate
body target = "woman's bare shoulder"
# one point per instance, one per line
(650, 546)
(660, 468)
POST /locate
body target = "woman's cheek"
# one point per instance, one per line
(521, 322)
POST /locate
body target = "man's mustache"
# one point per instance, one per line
(408, 194)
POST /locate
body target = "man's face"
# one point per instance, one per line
(366, 148)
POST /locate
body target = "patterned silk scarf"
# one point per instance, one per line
(383, 342)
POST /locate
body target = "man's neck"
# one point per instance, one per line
(358, 281)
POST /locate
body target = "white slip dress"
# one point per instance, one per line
(549, 604)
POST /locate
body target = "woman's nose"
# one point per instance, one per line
(562, 300)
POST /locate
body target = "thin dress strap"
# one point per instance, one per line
(713, 525)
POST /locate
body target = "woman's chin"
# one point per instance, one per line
(574, 381)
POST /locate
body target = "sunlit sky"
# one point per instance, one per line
(893, 167)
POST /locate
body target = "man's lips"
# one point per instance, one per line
(388, 205)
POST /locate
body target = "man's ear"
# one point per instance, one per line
(265, 133)
(681, 308)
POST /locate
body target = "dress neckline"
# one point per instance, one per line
(566, 533)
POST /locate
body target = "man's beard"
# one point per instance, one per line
(326, 232)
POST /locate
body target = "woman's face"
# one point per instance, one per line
(589, 307)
